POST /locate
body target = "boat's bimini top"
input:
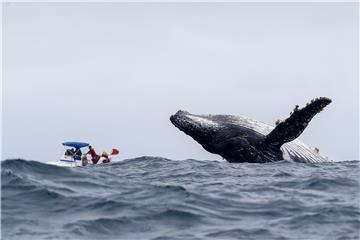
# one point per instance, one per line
(75, 144)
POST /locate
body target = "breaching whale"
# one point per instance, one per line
(238, 139)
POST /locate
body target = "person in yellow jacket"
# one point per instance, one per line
(105, 155)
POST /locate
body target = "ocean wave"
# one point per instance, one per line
(158, 198)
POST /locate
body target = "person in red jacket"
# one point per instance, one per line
(94, 157)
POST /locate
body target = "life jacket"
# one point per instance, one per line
(114, 151)
(92, 152)
(94, 157)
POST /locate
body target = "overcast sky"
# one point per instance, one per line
(112, 73)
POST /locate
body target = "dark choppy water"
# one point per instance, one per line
(156, 198)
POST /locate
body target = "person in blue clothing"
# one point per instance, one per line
(77, 154)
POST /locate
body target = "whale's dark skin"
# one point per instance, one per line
(243, 140)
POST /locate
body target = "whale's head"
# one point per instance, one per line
(201, 128)
(216, 133)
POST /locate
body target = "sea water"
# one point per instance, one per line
(158, 198)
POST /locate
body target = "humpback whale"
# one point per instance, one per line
(239, 139)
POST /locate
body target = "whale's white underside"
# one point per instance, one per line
(294, 150)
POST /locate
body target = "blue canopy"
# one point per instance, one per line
(75, 144)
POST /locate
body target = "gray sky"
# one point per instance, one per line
(112, 73)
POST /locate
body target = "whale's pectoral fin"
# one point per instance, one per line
(293, 126)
